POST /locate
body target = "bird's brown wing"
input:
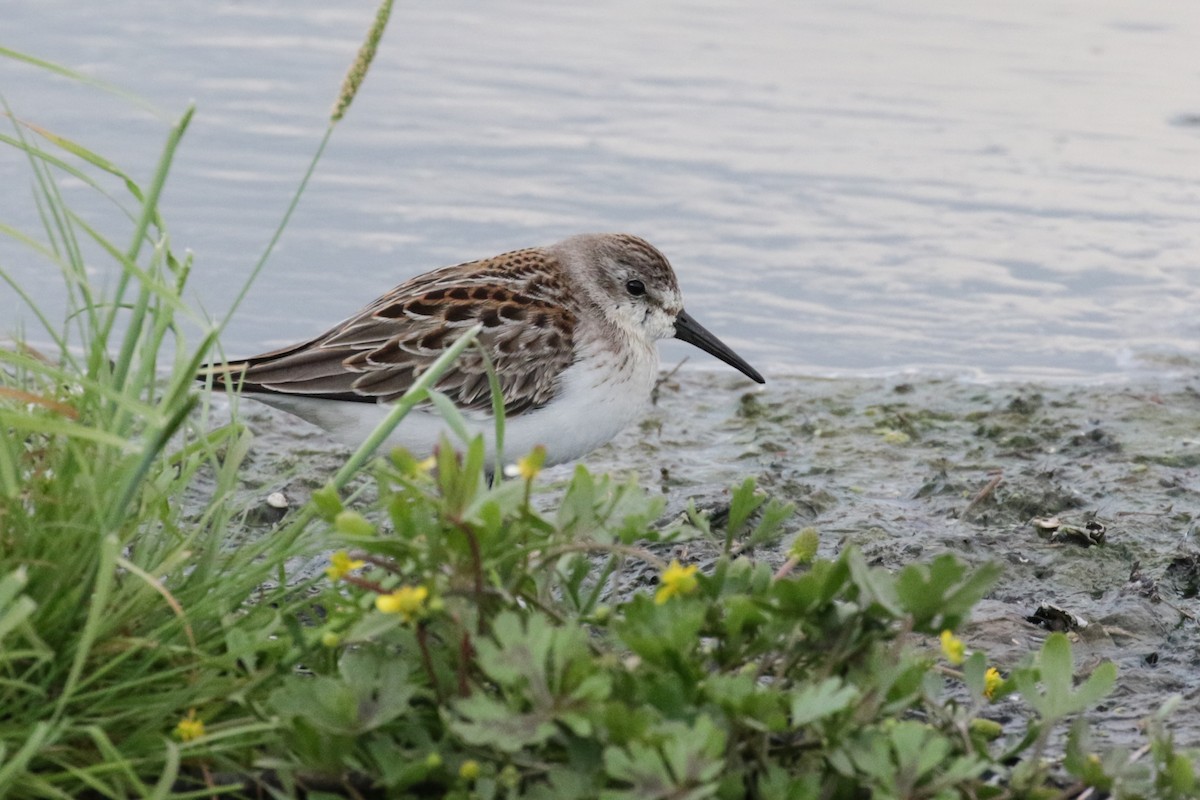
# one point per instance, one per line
(375, 356)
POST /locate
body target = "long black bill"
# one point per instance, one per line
(692, 332)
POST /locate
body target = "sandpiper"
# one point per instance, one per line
(570, 329)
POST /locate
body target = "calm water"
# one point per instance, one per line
(841, 186)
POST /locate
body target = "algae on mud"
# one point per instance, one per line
(906, 469)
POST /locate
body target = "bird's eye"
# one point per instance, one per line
(635, 287)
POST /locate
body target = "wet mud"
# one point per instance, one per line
(1087, 494)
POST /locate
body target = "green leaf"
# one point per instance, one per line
(1057, 698)
(485, 721)
(327, 503)
(1097, 686)
(803, 595)
(354, 524)
(1180, 774)
(642, 768)
(1057, 671)
(817, 701)
(776, 783)
(975, 672)
(744, 502)
(544, 675)
(770, 527)
(371, 627)
(564, 782)
(371, 690)
(743, 697)
(687, 764)
(940, 595)
(15, 608)
(666, 635)
(694, 754)
(876, 586)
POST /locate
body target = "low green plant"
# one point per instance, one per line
(473, 646)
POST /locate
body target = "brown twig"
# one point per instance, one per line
(30, 398)
(466, 651)
(659, 383)
(427, 661)
(985, 492)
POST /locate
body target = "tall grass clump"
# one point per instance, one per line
(115, 611)
(121, 611)
(130, 627)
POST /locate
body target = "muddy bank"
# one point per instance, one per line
(909, 468)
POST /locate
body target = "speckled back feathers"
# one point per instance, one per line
(528, 302)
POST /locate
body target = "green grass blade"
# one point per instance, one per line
(416, 393)
(149, 214)
(87, 80)
(97, 610)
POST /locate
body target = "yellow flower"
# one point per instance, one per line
(469, 770)
(529, 466)
(189, 728)
(675, 580)
(407, 601)
(992, 681)
(340, 563)
(953, 648)
(408, 464)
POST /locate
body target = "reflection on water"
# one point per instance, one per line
(1011, 189)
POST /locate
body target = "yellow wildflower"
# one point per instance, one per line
(992, 681)
(528, 467)
(189, 728)
(469, 770)
(675, 580)
(953, 648)
(407, 601)
(409, 466)
(340, 564)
